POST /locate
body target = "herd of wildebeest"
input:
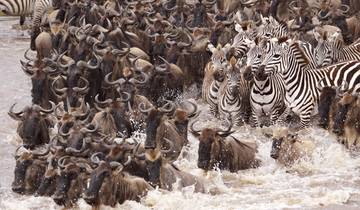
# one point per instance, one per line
(105, 72)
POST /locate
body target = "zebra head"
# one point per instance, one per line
(218, 57)
(233, 77)
(274, 61)
(253, 60)
(242, 41)
(324, 49)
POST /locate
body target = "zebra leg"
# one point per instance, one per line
(283, 117)
(22, 20)
(254, 122)
(305, 118)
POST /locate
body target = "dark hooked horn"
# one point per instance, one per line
(88, 64)
(227, 132)
(73, 150)
(143, 109)
(170, 105)
(194, 111)
(119, 81)
(15, 115)
(193, 130)
(128, 161)
(95, 159)
(106, 102)
(140, 82)
(37, 154)
(45, 111)
(68, 64)
(87, 130)
(116, 165)
(61, 161)
(26, 56)
(126, 98)
(82, 89)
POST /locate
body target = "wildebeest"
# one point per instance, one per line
(217, 148)
(109, 185)
(29, 169)
(33, 125)
(287, 148)
(71, 182)
(164, 174)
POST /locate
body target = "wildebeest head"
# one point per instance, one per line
(210, 145)
(71, 180)
(344, 106)
(34, 124)
(280, 138)
(153, 164)
(47, 185)
(28, 171)
(101, 180)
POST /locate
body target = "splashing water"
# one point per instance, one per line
(328, 180)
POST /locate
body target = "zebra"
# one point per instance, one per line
(20, 8)
(214, 76)
(242, 40)
(234, 95)
(267, 94)
(271, 28)
(40, 8)
(301, 82)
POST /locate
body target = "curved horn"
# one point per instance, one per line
(15, 115)
(143, 109)
(82, 89)
(193, 130)
(46, 111)
(119, 81)
(95, 159)
(169, 104)
(73, 150)
(87, 130)
(61, 131)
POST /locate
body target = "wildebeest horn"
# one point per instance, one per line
(194, 111)
(116, 165)
(69, 63)
(346, 8)
(62, 90)
(79, 36)
(95, 159)
(325, 16)
(143, 109)
(15, 115)
(87, 130)
(73, 150)
(46, 111)
(224, 133)
(26, 55)
(61, 131)
(119, 81)
(169, 104)
(144, 81)
(82, 89)
(193, 130)
(61, 161)
(99, 28)
(126, 98)
(106, 102)
(171, 147)
(128, 161)
(88, 64)
(36, 153)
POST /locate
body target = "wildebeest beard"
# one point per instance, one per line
(153, 168)
(152, 123)
(204, 155)
(96, 182)
(37, 91)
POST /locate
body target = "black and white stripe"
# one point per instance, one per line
(234, 96)
(40, 7)
(301, 82)
(267, 96)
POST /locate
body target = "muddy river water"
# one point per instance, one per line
(328, 180)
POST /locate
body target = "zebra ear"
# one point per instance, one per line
(238, 28)
(316, 35)
(211, 48)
